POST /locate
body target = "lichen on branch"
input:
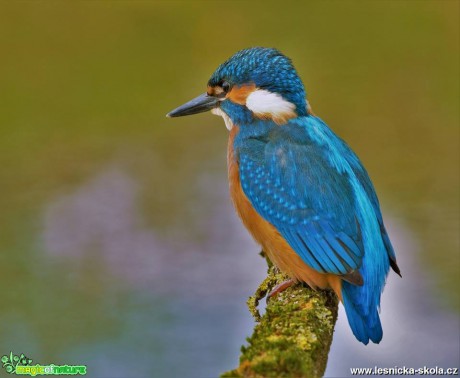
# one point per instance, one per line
(293, 337)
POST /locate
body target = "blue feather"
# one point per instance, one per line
(323, 203)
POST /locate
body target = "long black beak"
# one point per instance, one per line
(199, 104)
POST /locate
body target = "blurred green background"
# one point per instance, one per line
(103, 198)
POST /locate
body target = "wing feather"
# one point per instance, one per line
(292, 184)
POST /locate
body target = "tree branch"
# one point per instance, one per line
(293, 337)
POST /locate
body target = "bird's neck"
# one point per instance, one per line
(238, 114)
(255, 129)
(259, 130)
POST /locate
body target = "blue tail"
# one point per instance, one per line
(363, 316)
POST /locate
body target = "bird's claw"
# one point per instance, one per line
(280, 288)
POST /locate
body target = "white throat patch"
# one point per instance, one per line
(268, 105)
(227, 120)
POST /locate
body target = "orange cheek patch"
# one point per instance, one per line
(238, 94)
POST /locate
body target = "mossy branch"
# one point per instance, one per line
(293, 337)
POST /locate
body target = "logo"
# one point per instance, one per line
(22, 365)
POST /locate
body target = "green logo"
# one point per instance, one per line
(22, 365)
(10, 362)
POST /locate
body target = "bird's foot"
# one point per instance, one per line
(280, 288)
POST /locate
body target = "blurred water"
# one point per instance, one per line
(119, 248)
(130, 303)
(155, 307)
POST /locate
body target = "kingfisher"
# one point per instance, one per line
(298, 188)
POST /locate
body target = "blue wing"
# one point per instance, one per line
(287, 174)
(365, 181)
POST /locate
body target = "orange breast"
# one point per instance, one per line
(272, 242)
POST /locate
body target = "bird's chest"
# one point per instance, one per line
(262, 231)
(239, 199)
(256, 225)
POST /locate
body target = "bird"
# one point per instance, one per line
(299, 189)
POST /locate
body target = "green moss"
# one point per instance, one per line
(273, 278)
(293, 337)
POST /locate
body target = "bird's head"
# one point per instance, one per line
(256, 83)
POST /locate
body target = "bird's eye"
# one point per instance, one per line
(226, 86)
